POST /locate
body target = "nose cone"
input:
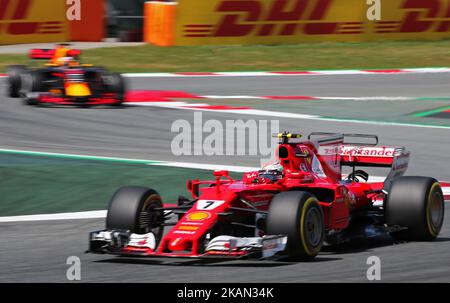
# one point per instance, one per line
(179, 244)
(78, 90)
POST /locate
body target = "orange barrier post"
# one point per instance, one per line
(160, 23)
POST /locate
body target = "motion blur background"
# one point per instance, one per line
(57, 160)
(222, 22)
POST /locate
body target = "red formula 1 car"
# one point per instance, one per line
(289, 209)
(65, 81)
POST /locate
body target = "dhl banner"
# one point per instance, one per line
(28, 21)
(296, 21)
(36, 21)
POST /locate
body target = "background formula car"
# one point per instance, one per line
(65, 82)
(290, 208)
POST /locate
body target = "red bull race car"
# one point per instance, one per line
(288, 209)
(64, 81)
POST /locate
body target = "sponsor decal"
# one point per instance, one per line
(198, 216)
(287, 21)
(184, 232)
(147, 240)
(186, 227)
(24, 21)
(209, 204)
(367, 151)
(400, 162)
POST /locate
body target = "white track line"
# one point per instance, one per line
(53, 217)
(381, 98)
(231, 168)
(315, 73)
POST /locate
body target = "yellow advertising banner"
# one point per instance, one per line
(33, 21)
(297, 21)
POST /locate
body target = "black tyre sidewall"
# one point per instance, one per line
(125, 207)
(406, 205)
(14, 73)
(116, 85)
(286, 216)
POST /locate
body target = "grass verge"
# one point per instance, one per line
(370, 55)
(38, 185)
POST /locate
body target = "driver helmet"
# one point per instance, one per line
(272, 171)
(66, 61)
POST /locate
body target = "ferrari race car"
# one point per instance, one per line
(65, 82)
(289, 209)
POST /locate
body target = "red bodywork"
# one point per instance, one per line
(313, 166)
(47, 54)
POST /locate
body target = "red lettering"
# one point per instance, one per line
(278, 12)
(229, 25)
(319, 13)
(3, 7)
(412, 22)
(22, 9)
(27, 28)
(445, 25)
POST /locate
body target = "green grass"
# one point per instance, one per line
(37, 184)
(265, 58)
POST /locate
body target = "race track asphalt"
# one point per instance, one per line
(37, 251)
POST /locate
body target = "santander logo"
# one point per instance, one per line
(367, 151)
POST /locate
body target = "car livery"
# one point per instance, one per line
(286, 212)
(67, 82)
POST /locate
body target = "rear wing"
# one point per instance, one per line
(47, 54)
(368, 154)
(362, 150)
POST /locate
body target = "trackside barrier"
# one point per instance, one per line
(38, 21)
(194, 22)
(160, 22)
(91, 27)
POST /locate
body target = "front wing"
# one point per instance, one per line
(124, 243)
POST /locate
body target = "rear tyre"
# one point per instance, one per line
(133, 208)
(299, 216)
(416, 203)
(15, 73)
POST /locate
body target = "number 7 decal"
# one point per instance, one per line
(209, 204)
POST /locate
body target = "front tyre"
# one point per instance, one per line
(299, 216)
(133, 208)
(416, 203)
(15, 73)
(33, 83)
(115, 84)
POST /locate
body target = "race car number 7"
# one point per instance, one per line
(209, 204)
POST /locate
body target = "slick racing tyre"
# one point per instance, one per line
(33, 83)
(416, 203)
(299, 216)
(115, 83)
(133, 208)
(15, 73)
